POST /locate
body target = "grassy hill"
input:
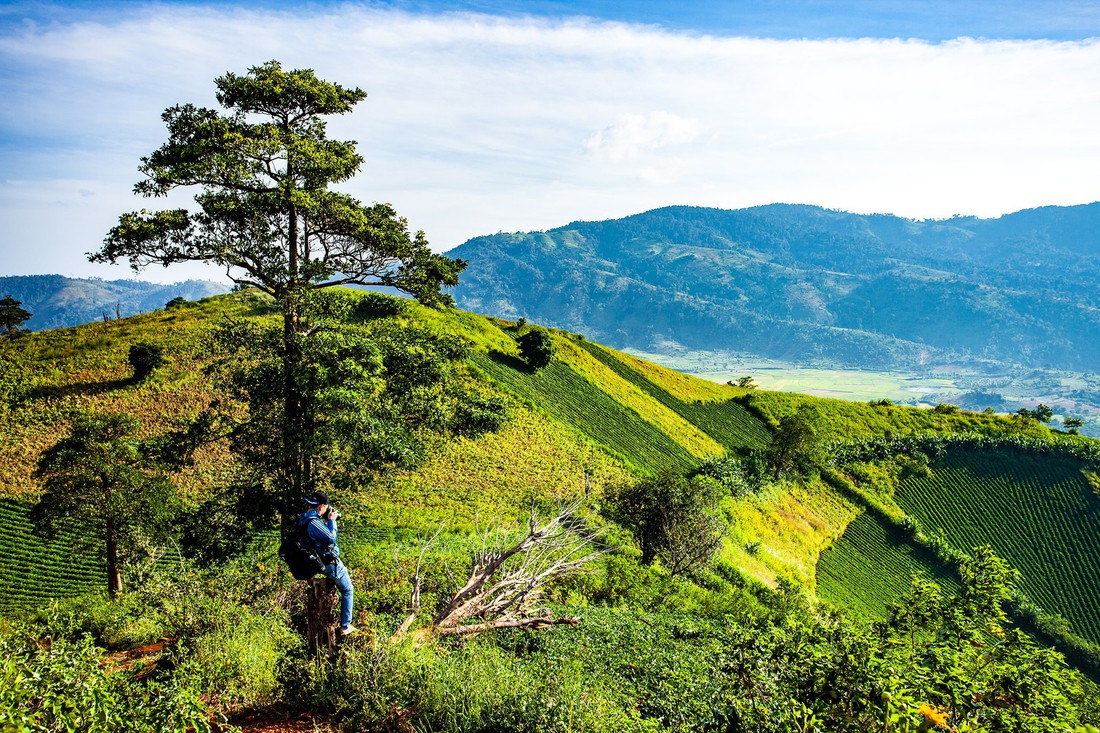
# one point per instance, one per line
(653, 652)
(594, 417)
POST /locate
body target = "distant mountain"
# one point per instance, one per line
(56, 301)
(809, 284)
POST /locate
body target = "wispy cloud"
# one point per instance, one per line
(477, 123)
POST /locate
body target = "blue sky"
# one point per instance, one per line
(490, 116)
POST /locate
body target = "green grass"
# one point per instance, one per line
(567, 397)
(1039, 512)
(872, 565)
(728, 422)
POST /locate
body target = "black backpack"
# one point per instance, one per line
(299, 552)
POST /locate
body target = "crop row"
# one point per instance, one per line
(34, 569)
(872, 565)
(728, 422)
(1037, 511)
(572, 400)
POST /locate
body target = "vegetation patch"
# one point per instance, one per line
(1037, 510)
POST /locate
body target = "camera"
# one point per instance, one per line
(332, 513)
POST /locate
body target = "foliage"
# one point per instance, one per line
(101, 478)
(145, 359)
(536, 348)
(740, 477)
(796, 445)
(177, 302)
(12, 317)
(63, 685)
(673, 517)
(267, 215)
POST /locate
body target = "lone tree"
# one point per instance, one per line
(265, 212)
(673, 517)
(12, 317)
(145, 359)
(537, 348)
(103, 478)
(795, 445)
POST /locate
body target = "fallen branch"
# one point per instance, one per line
(505, 583)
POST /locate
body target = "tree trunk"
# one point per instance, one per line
(114, 577)
(321, 619)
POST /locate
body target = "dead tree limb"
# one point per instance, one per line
(509, 577)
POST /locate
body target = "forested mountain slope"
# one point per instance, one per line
(805, 283)
(55, 301)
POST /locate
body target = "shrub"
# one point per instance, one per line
(537, 348)
(177, 302)
(945, 409)
(379, 305)
(145, 358)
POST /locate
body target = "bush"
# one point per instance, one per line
(945, 409)
(178, 302)
(673, 517)
(536, 348)
(145, 358)
(64, 686)
(379, 305)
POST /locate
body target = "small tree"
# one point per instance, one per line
(795, 445)
(537, 348)
(1073, 424)
(145, 358)
(674, 518)
(12, 317)
(177, 302)
(101, 478)
(745, 382)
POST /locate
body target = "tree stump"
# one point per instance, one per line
(321, 619)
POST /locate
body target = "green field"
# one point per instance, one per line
(35, 570)
(727, 421)
(569, 398)
(872, 565)
(1039, 512)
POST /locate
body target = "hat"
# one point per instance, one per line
(317, 497)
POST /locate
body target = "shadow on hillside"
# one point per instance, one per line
(512, 362)
(85, 389)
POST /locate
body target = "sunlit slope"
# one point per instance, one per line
(873, 565)
(1039, 512)
(592, 408)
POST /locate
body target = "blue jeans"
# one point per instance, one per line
(339, 573)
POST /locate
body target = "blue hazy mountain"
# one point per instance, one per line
(804, 283)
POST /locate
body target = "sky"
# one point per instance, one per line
(486, 116)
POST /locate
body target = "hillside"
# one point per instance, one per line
(653, 650)
(802, 283)
(55, 301)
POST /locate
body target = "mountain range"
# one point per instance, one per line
(811, 285)
(55, 301)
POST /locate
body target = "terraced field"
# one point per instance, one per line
(727, 421)
(34, 570)
(1039, 512)
(872, 565)
(569, 398)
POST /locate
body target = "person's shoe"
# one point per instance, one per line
(348, 630)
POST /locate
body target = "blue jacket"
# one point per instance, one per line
(321, 531)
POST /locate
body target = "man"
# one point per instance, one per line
(320, 523)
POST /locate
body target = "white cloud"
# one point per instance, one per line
(634, 134)
(476, 124)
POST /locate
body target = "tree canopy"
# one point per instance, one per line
(265, 209)
(263, 168)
